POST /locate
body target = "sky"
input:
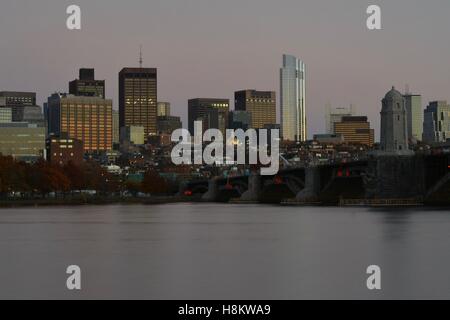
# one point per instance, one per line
(211, 48)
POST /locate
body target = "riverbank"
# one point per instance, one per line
(80, 201)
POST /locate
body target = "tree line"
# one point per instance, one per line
(42, 178)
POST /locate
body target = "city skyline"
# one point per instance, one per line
(346, 62)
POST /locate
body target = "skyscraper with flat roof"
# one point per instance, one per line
(436, 125)
(293, 99)
(260, 104)
(212, 112)
(334, 115)
(86, 85)
(138, 99)
(88, 119)
(414, 112)
(355, 130)
(163, 109)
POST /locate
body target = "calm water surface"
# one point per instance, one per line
(214, 251)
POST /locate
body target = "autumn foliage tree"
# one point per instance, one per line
(153, 183)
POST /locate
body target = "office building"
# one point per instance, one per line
(168, 124)
(17, 101)
(138, 99)
(88, 119)
(5, 115)
(329, 138)
(293, 99)
(212, 112)
(260, 104)
(86, 85)
(132, 135)
(334, 115)
(30, 114)
(62, 150)
(240, 120)
(355, 130)
(116, 128)
(21, 140)
(436, 125)
(414, 112)
(163, 109)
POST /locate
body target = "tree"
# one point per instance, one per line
(153, 183)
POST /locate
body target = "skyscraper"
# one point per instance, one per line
(86, 85)
(334, 115)
(260, 104)
(414, 112)
(355, 130)
(88, 119)
(212, 112)
(163, 109)
(138, 98)
(115, 126)
(292, 99)
(436, 125)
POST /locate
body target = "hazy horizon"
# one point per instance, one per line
(211, 48)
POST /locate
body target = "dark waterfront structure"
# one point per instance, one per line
(212, 112)
(260, 104)
(86, 85)
(138, 98)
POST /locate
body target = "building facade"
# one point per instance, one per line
(163, 109)
(22, 140)
(116, 128)
(293, 99)
(138, 98)
(168, 124)
(414, 112)
(260, 104)
(86, 85)
(5, 115)
(62, 150)
(334, 115)
(436, 125)
(240, 120)
(394, 129)
(132, 135)
(355, 130)
(212, 112)
(17, 101)
(88, 119)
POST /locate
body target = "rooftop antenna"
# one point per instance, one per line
(140, 57)
(407, 89)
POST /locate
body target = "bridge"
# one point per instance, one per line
(326, 182)
(422, 177)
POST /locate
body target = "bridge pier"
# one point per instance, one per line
(213, 191)
(312, 185)
(254, 189)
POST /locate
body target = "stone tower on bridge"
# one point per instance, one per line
(394, 132)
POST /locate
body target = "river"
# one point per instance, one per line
(224, 251)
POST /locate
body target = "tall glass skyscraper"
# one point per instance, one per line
(292, 95)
